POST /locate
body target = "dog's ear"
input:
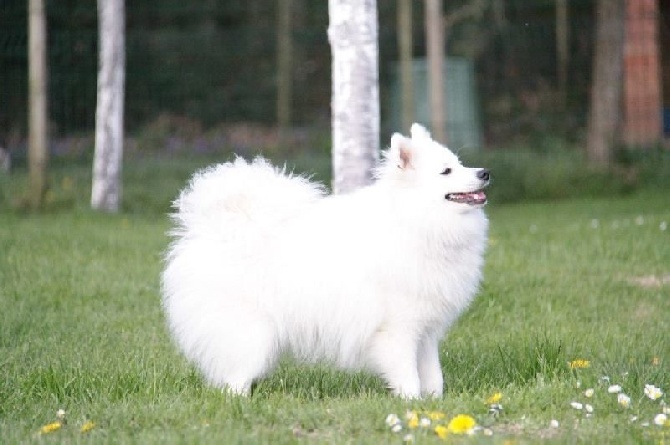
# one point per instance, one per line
(403, 150)
(418, 131)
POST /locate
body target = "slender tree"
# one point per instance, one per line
(284, 68)
(106, 190)
(436, 76)
(562, 53)
(405, 50)
(607, 84)
(38, 152)
(352, 33)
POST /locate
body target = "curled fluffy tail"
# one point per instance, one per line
(241, 198)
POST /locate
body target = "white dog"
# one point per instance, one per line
(263, 264)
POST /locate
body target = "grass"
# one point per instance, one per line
(81, 329)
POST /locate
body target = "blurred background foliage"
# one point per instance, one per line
(208, 62)
(201, 84)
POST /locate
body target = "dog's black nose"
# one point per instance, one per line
(484, 174)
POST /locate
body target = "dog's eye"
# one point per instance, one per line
(446, 171)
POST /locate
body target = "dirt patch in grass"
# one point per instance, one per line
(650, 281)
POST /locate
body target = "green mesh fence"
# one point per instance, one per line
(214, 62)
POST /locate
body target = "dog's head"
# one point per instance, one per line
(422, 162)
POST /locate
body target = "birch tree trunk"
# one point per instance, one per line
(106, 190)
(38, 151)
(405, 50)
(352, 33)
(607, 81)
(435, 49)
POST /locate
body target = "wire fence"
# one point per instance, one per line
(214, 62)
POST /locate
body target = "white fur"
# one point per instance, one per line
(263, 264)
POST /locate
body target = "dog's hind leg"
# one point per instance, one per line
(246, 348)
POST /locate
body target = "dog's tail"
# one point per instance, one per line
(239, 199)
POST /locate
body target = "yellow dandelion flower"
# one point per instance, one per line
(461, 424)
(50, 427)
(442, 431)
(579, 364)
(413, 422)
(495, 398)
(436, 415)
(88, 426)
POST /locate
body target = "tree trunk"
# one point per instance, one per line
(435, 48)
(562, 49)
(607, 81)
(38, 145)
(284, 68)
(352, 33)
(106, 191)
(405, 50)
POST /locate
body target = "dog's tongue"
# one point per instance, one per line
(478, 197)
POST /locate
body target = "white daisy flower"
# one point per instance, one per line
(396, 428)
(614, 389)
(392, 419)
(660, 419)
(554, 423)
(589, 392)
(576, 405)
(623, 400)
(588, 408)
(652, 392)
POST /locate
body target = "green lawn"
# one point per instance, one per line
(81, 329)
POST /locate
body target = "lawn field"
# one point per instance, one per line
(576, 296)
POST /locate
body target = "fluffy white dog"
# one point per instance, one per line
(263, 264)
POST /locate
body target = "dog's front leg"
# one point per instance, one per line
(430, 371)
(393, 355)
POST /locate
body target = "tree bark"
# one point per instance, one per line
(405, 52)
(562, 49)
(284, 68)
(607, 82)
(106, 190)
(352, 33)
(38, 144)
(435, 48)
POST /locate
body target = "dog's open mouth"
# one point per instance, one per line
(471, 198)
